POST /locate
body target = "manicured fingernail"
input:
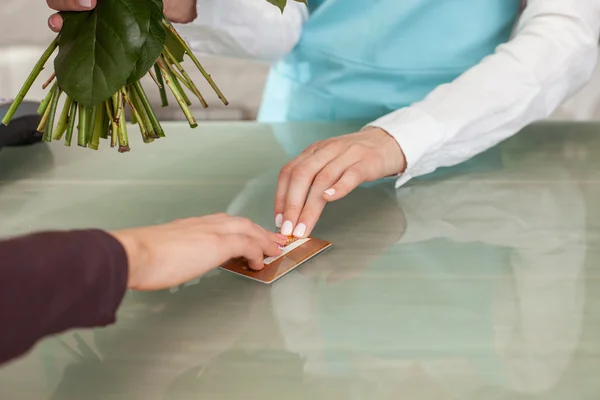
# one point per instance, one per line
(300, 230)
(51, 23)
(278, 220)
(330, 192)
(287, 228)
(85, 3)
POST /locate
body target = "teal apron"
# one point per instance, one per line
(359, 60)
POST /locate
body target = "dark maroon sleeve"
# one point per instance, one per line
(54, 281)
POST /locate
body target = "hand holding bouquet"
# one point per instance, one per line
(103, 53)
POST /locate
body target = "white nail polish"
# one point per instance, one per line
(330, 192)
(300, 230)
(278, 220)
(85, 3)
(287, 228)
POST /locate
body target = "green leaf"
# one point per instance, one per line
(100, 50)
(175, 47)
(282, 3)
(279, 3)
(154, 43)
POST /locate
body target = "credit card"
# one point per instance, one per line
(295, 253)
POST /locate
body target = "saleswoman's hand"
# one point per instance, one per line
(179, 11)
(166, 255)
(329, 170)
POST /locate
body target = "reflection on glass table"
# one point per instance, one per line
(473, 283)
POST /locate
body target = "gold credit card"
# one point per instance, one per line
(295, 253)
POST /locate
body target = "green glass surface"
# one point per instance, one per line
(477, 282)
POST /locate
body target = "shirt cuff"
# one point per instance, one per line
(417, 134)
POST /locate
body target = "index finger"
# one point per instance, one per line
(55, 22)
(247, 247)
(283, 183)
(71, 5)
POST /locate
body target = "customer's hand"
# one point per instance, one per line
(179, 11)
(329, 170)
(166, 255)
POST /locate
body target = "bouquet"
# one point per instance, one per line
(102, 56)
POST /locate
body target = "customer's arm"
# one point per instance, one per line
(54, 281)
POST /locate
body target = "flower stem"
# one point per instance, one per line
(173, 74)
(138, 116)
(83, 126)
(105, 122)
(71, 127)
(109, 113)
(186, 110)
(163, 92)
(29, 82)
(46, 102)
(49, 81)
(123, 138)
(47, 122)
(97, 127)
(185, 77)
(91, 124)
(50, 126)
(44, 121)
(155, 79)
(141, 94)
(61, 126)
(189, 52)
(111, 108)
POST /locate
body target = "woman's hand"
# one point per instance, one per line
(329, 170)
(166, 255)
(179, 11)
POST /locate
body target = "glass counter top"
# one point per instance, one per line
(476, 282)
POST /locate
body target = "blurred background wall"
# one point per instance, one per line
(24, 35)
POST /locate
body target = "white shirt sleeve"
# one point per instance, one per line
(253, 29)
(551, 56)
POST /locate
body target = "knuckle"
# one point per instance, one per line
(356, 148)
(237, 220)
(244, 224)
(311, 213)
(286, 171)
(334, 146)
(301, 172)
(247, 224)
(292, 208)
(244, 240)
(324, 178)
(313, 147)
(374, 157)
(355, 173)
(214, 239)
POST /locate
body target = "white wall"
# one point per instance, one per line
(24, 35)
